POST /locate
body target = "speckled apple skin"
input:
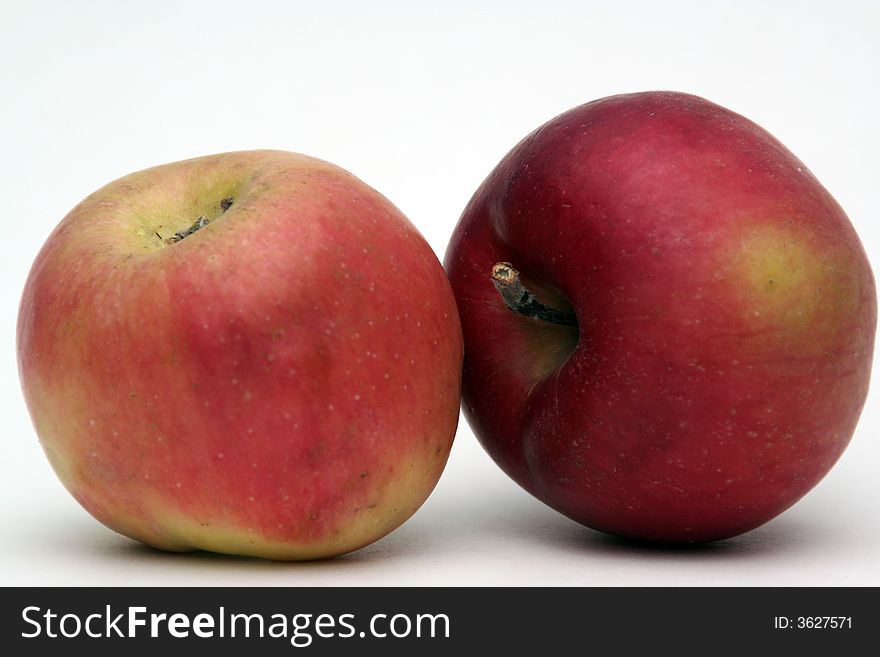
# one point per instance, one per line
(726, 315)
(283, 383)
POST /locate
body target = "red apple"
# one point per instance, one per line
(723, 309)
(251, 353)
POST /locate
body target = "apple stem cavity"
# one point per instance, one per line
(520, 300)
(201, 222)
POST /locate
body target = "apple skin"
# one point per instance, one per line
(726, 317)
(282, 383)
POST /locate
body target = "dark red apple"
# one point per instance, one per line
(723, 315)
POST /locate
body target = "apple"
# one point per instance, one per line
(252, 353)
(694, 319)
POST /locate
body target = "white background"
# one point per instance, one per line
(420, 100)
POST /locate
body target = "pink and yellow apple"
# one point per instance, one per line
(714, 315)
(251, 353)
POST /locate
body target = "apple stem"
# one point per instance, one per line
(518, 298)
(201, 222)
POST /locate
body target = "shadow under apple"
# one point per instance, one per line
(507, 515)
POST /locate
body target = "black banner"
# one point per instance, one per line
(406, 621)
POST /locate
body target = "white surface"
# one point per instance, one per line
(420, 100)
